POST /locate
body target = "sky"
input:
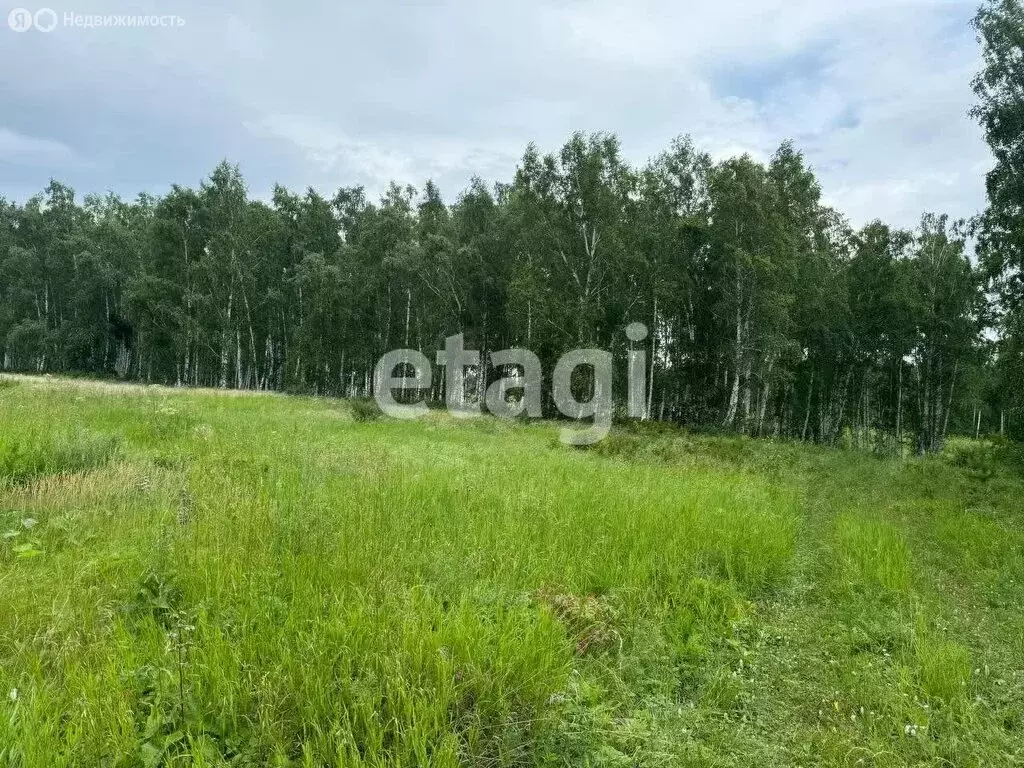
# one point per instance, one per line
(875, 93)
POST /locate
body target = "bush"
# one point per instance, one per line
(980, 458)
(364, 409)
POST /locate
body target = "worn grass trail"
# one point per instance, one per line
(884, 650)
(191, 579)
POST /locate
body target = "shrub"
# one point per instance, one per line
(980, 458)
(364, 409)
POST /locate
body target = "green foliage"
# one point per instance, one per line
(767, 315)
(999, 87)
(980, 458)
(364, 409)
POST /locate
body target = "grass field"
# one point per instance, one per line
(193, 579)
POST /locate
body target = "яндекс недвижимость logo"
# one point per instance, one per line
(22, 19)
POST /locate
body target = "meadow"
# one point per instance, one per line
(191, 578)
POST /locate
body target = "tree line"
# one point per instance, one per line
(768, 313)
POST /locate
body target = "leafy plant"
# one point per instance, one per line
(364, 409)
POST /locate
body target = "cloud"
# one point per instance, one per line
(875, 92)
(374, 163)
(18, 149)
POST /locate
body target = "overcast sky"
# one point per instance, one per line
(875, 93)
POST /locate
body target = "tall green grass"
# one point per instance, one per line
(274, 581)
(36, 453)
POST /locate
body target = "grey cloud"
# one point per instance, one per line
(335, 94)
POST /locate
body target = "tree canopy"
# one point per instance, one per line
(769, 315)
